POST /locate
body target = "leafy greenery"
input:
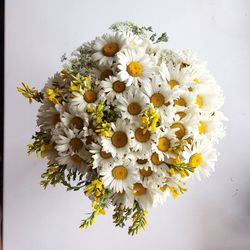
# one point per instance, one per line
(41, 139)
(139, 219)
(143, 31)
(30, 93)
(121, 215)
(100, 197)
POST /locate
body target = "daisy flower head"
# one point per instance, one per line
(120, 175)
(132, 104)
(48, 115)
(100, 157)
(201, 155)
(106, 48)
(112, 88)
(145, 196)
(119, 143)
(208, 98)
(134, 66)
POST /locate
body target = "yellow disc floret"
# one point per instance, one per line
(202, 128)
(138, 189)
(157, 100)
(163, 144)
(110, 49)
(199, 101)
(195, 160)
(135, 69)
(181, 130)
(120, 172)
(172, 83)
(119, 139)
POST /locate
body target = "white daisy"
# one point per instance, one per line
(119, 143)
(112, 88)
(132, 104)
(201, 156)
(123, 198)
(73, 161)
(165, 139)
(160, 97)
(145, 196)
(175, 75)
(141, 140)
(70, 141)
(119, 176)
(79, 101)
(134, 66)
(106, 47)
(209, 98)
(99, 156)
(211, 126)
(48, 115)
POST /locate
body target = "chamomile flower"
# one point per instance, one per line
(165, 139)
(112, 88)
(70, 141)
(132, 104)
(132, 40)
(210, 125)
(209, 98)
(119, 176)
(119, 143)
(122, 198)
(100, 157)
(80, 101)
(174, 75)
(201, 156)
(145, 196)
(134, 66)
(74, 161)
(48, 115)
(159, 96)
(106, 47)
(75, 120)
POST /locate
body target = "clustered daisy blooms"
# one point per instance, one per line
(128, 122)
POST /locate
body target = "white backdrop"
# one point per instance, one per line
(213, 214)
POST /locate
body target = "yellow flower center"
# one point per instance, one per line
(105, 155)
(119, 139)
(180, 101)
(56, 119)
(140, 136)
(134, 108)
(198, 101)
(119, 87)
(141, 161)
(163, 144)
(135, 69)
(181, 130)
(195, 160)
(119, 172)
(76, 158)
(77, 122)
(202, 127)
(106, 74)
(155, 159)
(163, 188)
(90, 96)
(145, 172)
(110, 49)
(157, 100)
(138, 189)
(181, 114)
(172, 83)
(76, 144)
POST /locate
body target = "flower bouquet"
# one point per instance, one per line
(128, 122)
